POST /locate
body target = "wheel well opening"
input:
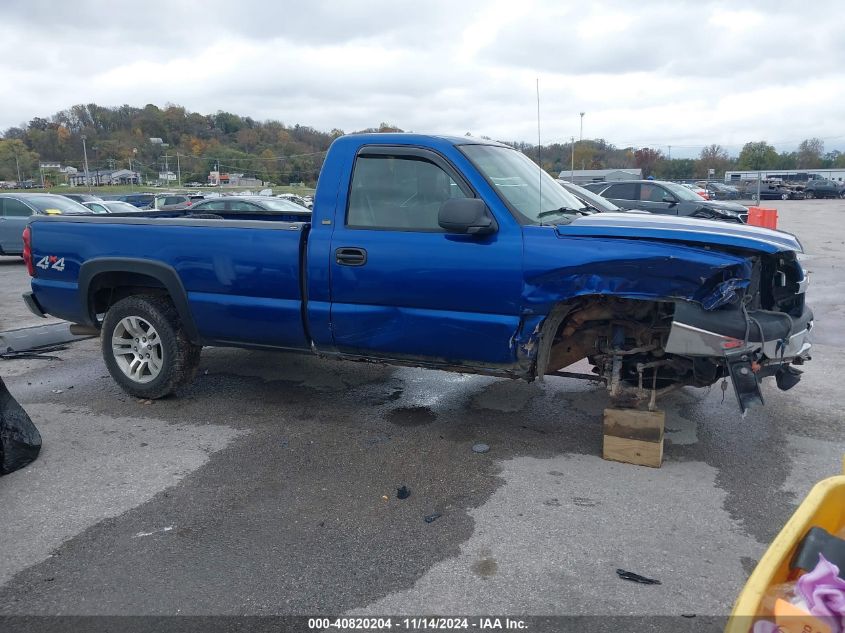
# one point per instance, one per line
(108, 288)
(593, 325)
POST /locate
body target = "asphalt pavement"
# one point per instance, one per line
(270, 485)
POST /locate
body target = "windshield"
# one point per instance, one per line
(56, 204)
(589, 197)
(684, 193)
(528, 191)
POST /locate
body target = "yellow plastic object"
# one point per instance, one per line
(823, 507)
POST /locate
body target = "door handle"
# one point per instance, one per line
(350, 256)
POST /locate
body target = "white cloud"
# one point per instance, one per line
(680, 73)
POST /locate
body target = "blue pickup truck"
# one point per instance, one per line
(450, 253)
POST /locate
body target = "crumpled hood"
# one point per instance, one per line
(725, 204)
(678, 229)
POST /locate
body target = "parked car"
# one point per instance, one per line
(594, 201)
(776, 191)
(96, 207)
(111, 206)
(667, 198)
(81, 197)
(822, 189)
(720, 191)
(438, 252)
(139, 200)
(701, 191)
(300, 200)
(176, 201)
(246, 204)
(17, 209)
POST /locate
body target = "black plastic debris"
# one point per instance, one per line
(431, 518)
(480, 448)
(20, 441)
(41, 353)
(403, 493)
(629, 575)
(819, 541)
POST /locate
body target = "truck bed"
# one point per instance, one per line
(240, 277)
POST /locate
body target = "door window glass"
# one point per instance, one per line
(652, 193)
(622, 191)
(240, 205)
(15, 209)
(399, 192)
(215, 205)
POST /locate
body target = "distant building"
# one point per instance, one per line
(583, 176)
(56, 167)
(99, 177)
(216, 178)
(786, 175)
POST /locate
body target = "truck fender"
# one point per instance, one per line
(164, 274)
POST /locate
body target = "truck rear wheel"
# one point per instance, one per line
(145, 347)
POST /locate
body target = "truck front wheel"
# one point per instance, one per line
(145, 347)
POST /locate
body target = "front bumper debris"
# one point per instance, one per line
(751, 345)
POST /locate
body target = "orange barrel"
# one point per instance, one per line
(755, 216)
(767, 218)
(770, 218)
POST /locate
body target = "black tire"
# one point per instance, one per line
(179, 358)
(784, 196)
(809, 195)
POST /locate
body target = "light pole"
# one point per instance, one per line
(18, 166)
(581, 136)
(572, 164)
(132, 173)
(85, 155)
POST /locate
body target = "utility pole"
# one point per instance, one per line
(572, 164)
(178, 171)
(18, 165)
(670, 152)
(166, 169)
(85, 155)
(41, 171)
(581, 136)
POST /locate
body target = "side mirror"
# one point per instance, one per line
(466, 216)
(669, 199)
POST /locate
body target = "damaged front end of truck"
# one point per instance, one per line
(662, 306)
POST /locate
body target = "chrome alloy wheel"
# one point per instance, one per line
(137, 349)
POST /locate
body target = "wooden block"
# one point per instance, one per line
(634, 436)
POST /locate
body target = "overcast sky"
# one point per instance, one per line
(646, 73)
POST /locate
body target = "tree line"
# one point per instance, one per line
(197, 143)
(272, 151)
(755, 155)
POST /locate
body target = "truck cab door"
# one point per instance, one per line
(404, 288)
